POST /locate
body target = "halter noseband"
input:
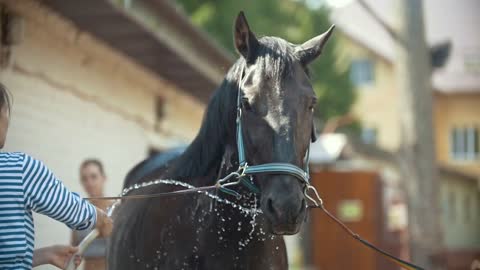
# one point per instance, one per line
(245, 170)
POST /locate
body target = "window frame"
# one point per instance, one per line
(464, 143)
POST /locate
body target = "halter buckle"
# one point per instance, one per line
(241, 170)
(239, 114)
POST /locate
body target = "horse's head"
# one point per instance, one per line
(277, 117)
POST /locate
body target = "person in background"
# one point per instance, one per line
(26, 186)
(92, 178)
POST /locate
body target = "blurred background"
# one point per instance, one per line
(398, 157)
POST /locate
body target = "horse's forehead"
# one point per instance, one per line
(281, 78)
(271, 86)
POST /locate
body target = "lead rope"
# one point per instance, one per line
(318, 203)
(157, 195)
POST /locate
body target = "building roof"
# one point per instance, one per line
(170, 45)
(456, 21)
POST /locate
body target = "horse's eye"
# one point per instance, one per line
(313, 103)
(246, 105)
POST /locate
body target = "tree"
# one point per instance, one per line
(417, 151)
(416, 155)
(291, 20)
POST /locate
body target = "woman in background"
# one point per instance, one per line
(92, 178)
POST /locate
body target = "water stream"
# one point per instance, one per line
(248, 211)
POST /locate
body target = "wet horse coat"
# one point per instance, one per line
(198, 232)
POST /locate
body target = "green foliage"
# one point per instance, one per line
(292, 20)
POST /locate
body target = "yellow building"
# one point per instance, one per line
(368, 51)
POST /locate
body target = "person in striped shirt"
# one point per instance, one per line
(26, 186)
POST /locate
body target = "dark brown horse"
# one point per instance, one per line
(198, 232)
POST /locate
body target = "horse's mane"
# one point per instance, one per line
(205, 152)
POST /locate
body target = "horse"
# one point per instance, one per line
(270, 85)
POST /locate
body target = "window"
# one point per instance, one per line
(362, 72)
(369, 135)
(464, 143)
(472, 61)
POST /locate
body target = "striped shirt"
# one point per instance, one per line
(27, 185)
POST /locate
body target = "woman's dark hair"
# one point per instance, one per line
(4, 97)
(95, 162)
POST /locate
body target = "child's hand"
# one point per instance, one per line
(61, 255)
(57, 255)
(104, 223)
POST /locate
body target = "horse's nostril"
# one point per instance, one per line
(270, 207)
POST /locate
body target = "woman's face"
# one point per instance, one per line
(4, 118)
(92, 180)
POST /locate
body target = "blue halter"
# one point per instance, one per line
(245, 171)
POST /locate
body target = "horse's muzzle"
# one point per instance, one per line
(285, 214)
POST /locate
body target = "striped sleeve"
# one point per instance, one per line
(45, 194)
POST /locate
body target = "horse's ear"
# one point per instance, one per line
(308, 51)
(314, 132)
(245, 41)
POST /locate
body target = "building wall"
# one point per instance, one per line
(74, 98)
(376, 105)
(454, 111)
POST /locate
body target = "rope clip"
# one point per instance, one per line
(318, 200)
